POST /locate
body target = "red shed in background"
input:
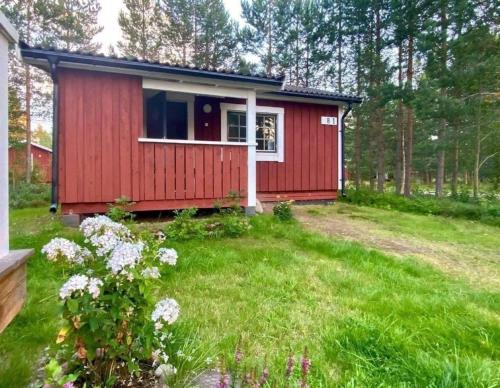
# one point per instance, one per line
(41, 161)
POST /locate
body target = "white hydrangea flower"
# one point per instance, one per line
(151, 273)
(166, 310)
(125, 255)
(103, 233)
(93, 287)
(167, 256)
(62, 248)
(80, 283)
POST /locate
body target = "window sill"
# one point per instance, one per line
(269, 157)
(191, 142)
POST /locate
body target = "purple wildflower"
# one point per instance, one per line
(290, 364)
(239, 355)
(305, 366)
(264, 376)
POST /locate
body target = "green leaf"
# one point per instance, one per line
(72, 305)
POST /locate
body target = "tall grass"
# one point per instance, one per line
(486, 211)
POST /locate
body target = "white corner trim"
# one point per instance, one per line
(262, 156)
(251, 108)
(8, 30)
(339, 148)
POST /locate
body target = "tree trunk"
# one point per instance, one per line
(339, 49)
(440, 173)
(379, 112)
(409, 122)
(269, 65)
(357, 152)
(454, 176)
(400, 143)
(477, 156)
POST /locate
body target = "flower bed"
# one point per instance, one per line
(114, 333)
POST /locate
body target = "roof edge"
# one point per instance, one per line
(342, 98)
(124, 63)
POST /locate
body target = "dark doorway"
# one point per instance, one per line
(177, 120)
(166, 119)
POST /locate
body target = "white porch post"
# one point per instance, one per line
(7, 35)
(252, 150)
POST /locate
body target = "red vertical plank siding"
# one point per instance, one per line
(200, 173)
(100, 119)
(313, 149)
(170, 171)
(209, 172)
(226, 171)
(190, 172)
(136, 117)
(217, 172)
(310, 149)
(297, 150)
(306, 142)
(62, 140)
(243, 171)
(159, 172)
(107, 148)
(180, 168)
(149, 171)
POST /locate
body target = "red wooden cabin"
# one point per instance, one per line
(41, 159)
(171, 137)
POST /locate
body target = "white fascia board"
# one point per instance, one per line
(193, 88)
(8, 30)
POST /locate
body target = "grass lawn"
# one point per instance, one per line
(367, 318)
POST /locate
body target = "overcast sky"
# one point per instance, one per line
(108, 18)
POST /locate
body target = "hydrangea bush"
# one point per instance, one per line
(114, 330)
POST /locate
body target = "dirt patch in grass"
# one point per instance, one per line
(478, 265)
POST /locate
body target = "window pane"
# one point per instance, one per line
(232, 118)
(233, 132)
(236, 130)
(266, 132)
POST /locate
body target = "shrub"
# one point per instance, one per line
(485, 211)
(283, 211)
(229, 222)
(119, 210)
(24, 195)
(185, 226)
(113, 331)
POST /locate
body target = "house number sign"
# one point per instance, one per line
(328, 120)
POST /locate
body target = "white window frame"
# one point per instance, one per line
(177, 97)
(262, 156)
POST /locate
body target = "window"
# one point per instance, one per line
(166, 116)
(266, 132)
(237, 126)
(269, 129)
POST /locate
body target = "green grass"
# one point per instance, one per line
(486, 210)
(368, 319)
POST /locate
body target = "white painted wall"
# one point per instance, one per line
(7, 35)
